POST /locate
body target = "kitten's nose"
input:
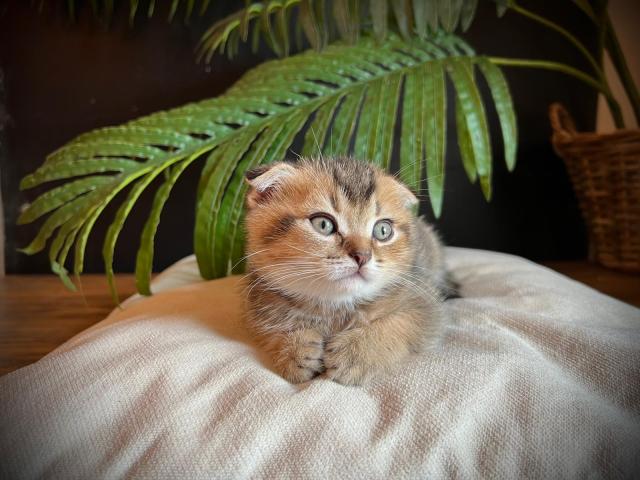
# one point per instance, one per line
(361, 257)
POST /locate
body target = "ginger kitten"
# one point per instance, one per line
(342, 277)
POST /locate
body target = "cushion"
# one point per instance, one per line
(538, 376)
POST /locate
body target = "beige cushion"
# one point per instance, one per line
(538, 376)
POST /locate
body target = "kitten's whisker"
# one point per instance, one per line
(278, 270)
(279, 276)
(299, 277)
(316, 140)
(416, 275)
(321, 276)
(247, 256)
(285, 264)
(290, 274)
(427, 290)
(418, 284)
(288, 280)
(287, 270)
(275, 267)
(249, 288)
(400, 171)
(397, 174)
(411, 266)
(405, 283)
(415, 278)
(304, 251)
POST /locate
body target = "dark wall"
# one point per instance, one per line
(63, 78)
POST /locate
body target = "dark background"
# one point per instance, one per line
(62, 78)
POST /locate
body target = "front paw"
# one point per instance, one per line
(301, 356)
(347, 358)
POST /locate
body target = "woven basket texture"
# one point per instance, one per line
(605, 172)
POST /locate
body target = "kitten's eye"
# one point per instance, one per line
(323, 225)
(382, 230)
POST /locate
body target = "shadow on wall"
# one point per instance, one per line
(4, 122)
(1, 236)
(625, 16)
(63, 79)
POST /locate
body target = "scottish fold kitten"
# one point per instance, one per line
(343, 279)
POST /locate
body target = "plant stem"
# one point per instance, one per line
(554, 26)
(619, 62)
(548, 65)
(616, 113)
(586, 8)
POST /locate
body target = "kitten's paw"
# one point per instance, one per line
(302, 356)
(347, 360)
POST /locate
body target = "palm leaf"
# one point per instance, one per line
(504, 106)
(410, 18)
(402, 11)
(345, 122)
(208, 208)
(461, 74)
(464, 144)
(420, 17)
(312, 143)
(116, 227)
(434, 119)
(270, 146)
(346, 21)
(412, 141)
(502, 6)
(104, 9)
(349, 94)
(467, 14)
(432, 14)
(269, 19)
(144, 257)
(449, 14)
(379, 13)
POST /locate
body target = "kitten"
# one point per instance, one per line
(342, 277)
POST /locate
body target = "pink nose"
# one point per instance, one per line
(361, 257)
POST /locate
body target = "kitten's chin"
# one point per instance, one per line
(353, 283)
(349, 290)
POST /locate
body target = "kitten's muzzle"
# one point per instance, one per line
(361, 257)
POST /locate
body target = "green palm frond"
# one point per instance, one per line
(407, 17)
(104, 9)
(345, 95)
(502, 6)
(268, 19)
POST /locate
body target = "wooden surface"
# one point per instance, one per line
(620, 285)
(37, 313)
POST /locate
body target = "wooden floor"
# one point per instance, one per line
(37, 313)
(623, 286)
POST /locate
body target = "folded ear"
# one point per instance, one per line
(263, 181)
(411, 201)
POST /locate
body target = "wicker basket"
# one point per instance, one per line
(605, 172)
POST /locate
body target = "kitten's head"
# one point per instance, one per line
(330, 230)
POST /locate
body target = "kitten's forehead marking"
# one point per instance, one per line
(333, 198)
(357, 217)
(356, 180)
